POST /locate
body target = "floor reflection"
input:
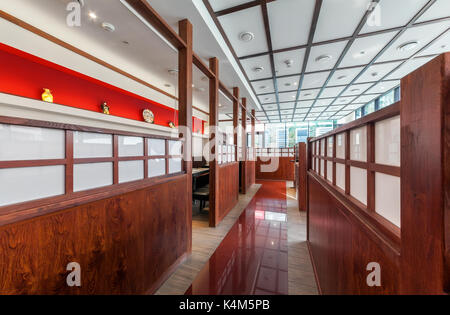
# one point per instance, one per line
(252, 258)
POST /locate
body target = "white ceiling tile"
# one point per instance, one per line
(364, 49)
(288, 83)
(317, 109)
(303, 110)
(331, 92)
(315, 80)
(357, 89)
(344, 76)
(251, 63)
(305, 103)
(440, 46)
(287, 105)
(262, 87)
(423, 34)
(249, 20)
(290, 21)
(344, 100)
(308, 94)
(286, 97)
(334, 50)
(219, 5)
(335, 108)
(409, 67)
(281, 59)
(353, 106)
(392, 13)
(376, 72)
(269, 107)
(365, 98)
(267, 99)
(323, 102)
(383, 87)
(271, 113)
(439, 9)
(260, 114)
(339, 18)
(287, 112)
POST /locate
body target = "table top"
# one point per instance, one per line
(198, 171)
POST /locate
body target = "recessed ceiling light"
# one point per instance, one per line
(444, 46)
(173, 71)
(307, 94)
(355, 90)
(323, 58)
(258, 69)
(246, 36)
(108, 27)
(342, 77)
(287, 84)
(92, 15)
(374, 74)
(167, 85)
(408, 46)
(125, 42)
(262, 87)
(220, 105)
(289, 63)
(362, 52)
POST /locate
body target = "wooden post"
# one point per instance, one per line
(244, 146)
(213, 137)
(253, 133)
(236, 120)
(185, 115)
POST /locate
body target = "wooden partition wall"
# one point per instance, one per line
(378, 193)
(282, 159)
(301, 163)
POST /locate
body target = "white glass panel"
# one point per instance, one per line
(322, 168)
(92, 175)
(131, 146)
(387, 141)
(174, 166)
(174, 147)
(156, 147)
(358, 184)
(156, 167)
(317, 147)
(340, 146)
(31, 183)
(358, 144)
(340, 176)
(30, 143)
(130, 171)
(387, 197)
(92, 145)
(322, 147)
(330, 171)
(330, 147)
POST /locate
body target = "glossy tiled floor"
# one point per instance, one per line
(253, 257)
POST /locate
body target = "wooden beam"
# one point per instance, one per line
(185, 115)
(213, 139)
(240, 7)
(203, 67)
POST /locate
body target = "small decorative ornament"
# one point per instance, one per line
(172, 125)
(47, 96)
(105, 108)
(148, 116)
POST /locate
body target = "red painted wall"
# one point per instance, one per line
(26, 75)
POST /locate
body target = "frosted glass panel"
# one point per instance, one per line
(330, 147)
(131, 146)
(358, 144)
(340, 146)
(31, 183)
(387, 141)
(30, 143)
(156, 167)
(387, 197)
(340, 175)
(92, 175)
(156, 147)
(358, 184)
(174, 166)
(174, 147)
(322, 147)
(130, 171)
(92, 145)
(330, 171)
(317, 147)
(322, 167)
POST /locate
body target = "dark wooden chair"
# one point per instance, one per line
(201, 194)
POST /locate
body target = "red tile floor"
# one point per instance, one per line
(253, 256)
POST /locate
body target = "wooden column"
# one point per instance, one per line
(244, 146)
(253, 133)
(236, 120)
(185, 115)
(213, 139)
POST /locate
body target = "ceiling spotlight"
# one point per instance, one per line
(323, 58)
(287, 84)
(362, 52)
(307, 94)
(355, 90)
(258, 69)
(167, 85)
(125, 42)
(374, 74)
(267, 99)
(220, 105)
(246, 36)
(262, 87)
(92, 15)
(342, 77)
(108, 27)
(173, 71)
(289, 63)
(408, 46)
(444, 46)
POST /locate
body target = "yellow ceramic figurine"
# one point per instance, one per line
(47, 96)
(105, 108)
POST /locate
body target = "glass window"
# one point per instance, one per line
(369, 108)
(387, 99)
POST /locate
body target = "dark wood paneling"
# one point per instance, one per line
(121, 243)
(285, 170)
(228, 192)
(301, 166)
